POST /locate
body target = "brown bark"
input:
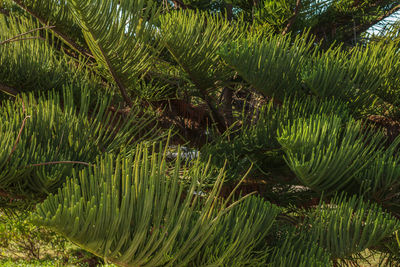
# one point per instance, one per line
(293, 18)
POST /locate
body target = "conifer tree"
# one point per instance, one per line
(204, 133)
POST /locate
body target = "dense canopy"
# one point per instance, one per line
(205, 133)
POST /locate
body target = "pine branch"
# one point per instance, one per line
(362, 28)
(118, 81)
(58, 162)
(293, 18)
(8, 90)
(58, 32)
(18, 37)
(18, 138)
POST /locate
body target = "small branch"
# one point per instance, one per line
(179, 4)
(17, 37)
(18, 138)
(24, 39)
(66, 39)
(10, 196)
(293, 18)
(364, 27)
(57, 162)
(20, 131)
(8, 90)
(117, 80)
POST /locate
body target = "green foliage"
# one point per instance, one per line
(21, 67)
(193, 39)
(274, 14)
(298, 251)
(42, 139)
(272, 65)
(119, 37)
(88, 160)
(280, 65)
(238, 239)
(379, 181)
(346, 226)
(256, 141)
(141, 213)
(326, 152)
(389, 69)
(351, 76)
(57, 14)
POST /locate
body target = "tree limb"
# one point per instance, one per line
(179, 4)
(116, 79)
(8, 90)
(293, 18)
(18, 138)
(66, 39)
(362, 28)
(58, 162)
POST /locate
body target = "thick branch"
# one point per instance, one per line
(293, 18)
(66, 39)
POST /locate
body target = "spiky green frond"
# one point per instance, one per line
(389, 251)
(29, 63)
(353, 76)
(119, 34)
(239, 239)
(347, 226)
(193, 38)
(298, 251)
(36, 134)
(137, 212)
(272, 65)
(388, 67)
(277, 66)
(256, 141)
(57, 14)
(379, 181)
(324, 153)
(325, 75)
